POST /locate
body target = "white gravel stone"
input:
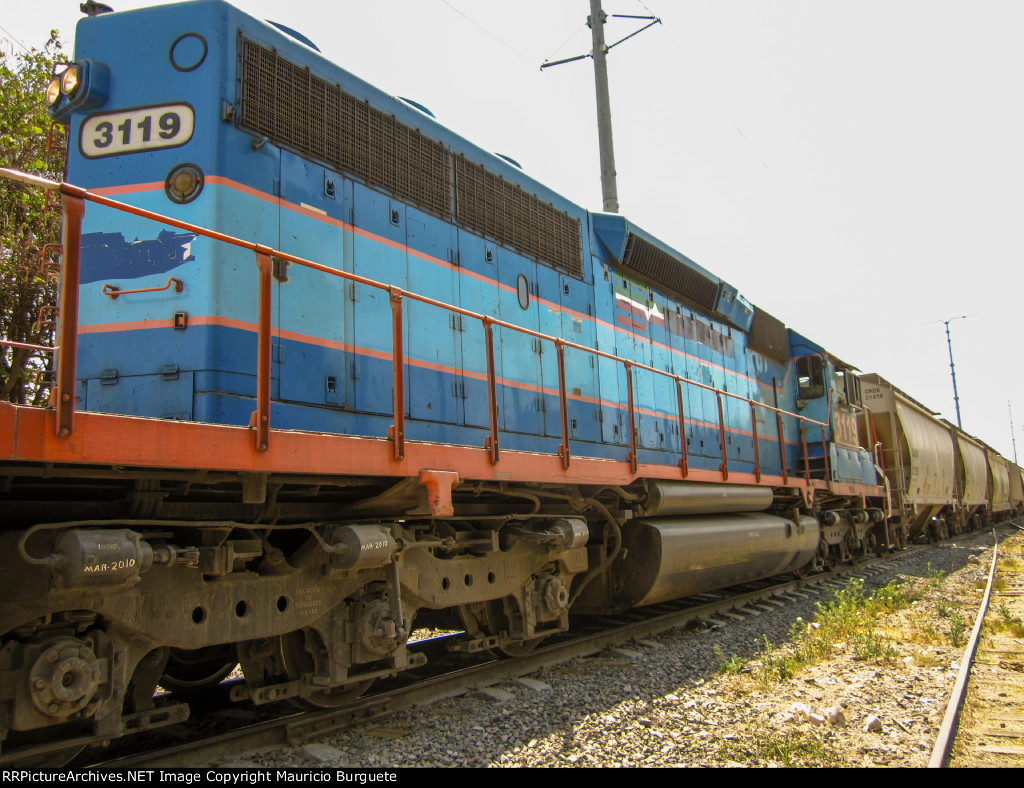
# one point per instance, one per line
(494, 694)
(835, 716)
(324, 753)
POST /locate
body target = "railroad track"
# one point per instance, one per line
(295, 729)
(985, 721)
(594, 636)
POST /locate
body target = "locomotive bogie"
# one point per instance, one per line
(331, 610)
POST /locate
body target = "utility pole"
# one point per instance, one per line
(952, 367)
(609, 189)
(596, 20)
(1013, 437)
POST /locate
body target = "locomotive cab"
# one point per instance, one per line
(828, 391)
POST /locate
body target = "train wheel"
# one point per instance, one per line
(287, 658)
(855, 547)
(829, 556)
(488, 618)
(190, 672)
(297, 660)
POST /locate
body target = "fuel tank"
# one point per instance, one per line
(671, 499)
(667, 558)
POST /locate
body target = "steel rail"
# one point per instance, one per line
(947, 731)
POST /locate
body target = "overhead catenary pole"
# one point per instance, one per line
(952, 367)
(952, 371)
(609, 189)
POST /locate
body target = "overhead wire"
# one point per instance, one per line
(484, 29)
(14, 40)
(565, 43)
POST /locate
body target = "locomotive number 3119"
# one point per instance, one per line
(135, 130)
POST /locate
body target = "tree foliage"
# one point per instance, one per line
(26, 222)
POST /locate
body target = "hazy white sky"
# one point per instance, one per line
(853, 168)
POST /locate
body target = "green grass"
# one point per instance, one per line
(775, 665)
(957, 628)
(789, 748)
(870, 645)
(734, 665)
(935, 576)
(846, 621)
(1005, 621)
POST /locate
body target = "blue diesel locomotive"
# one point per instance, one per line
(362, 377)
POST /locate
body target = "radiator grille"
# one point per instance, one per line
(660, 267)
(293, 107)
(495, 207)
(768, 335)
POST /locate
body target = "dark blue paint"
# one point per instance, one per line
(109, 256)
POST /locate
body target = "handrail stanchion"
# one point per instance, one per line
(782, 447)
(682, 428)
(807, 459)
(398, 372)
(563, 403)
(67, 355)
(824, 454)
(264, 350)
(721, 436)
(757, 448)
(632, 458)
(491, 444)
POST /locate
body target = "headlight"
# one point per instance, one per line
(52, 92)
(69, 81)
(76, 87)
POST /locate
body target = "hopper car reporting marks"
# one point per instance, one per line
(328, 371)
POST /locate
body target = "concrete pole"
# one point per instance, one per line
(609, 191)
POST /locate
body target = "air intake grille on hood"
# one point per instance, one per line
(663, 269)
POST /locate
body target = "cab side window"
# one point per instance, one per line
(809, 370)
(848, 387)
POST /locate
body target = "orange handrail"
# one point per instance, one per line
(113, 292)
(74, 196)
